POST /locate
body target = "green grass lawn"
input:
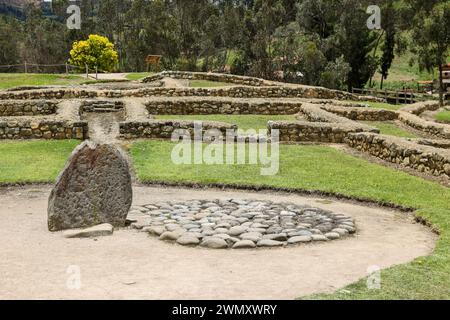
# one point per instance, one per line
(243, 122)
(390, 128)
(207, 84)
(33, 161)
(325, 169)
(380, 105)
(11, 80)
(443, 116)
(138, 75)
(315, 168)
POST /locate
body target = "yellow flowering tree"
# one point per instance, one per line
(96, 51)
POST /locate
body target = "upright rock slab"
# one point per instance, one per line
(94, 188)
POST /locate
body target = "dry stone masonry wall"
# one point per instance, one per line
(302, 131)
(43, 129)
(422, 158)
(232, 92)
(217, 77)
(362, 114)
(428, 127)
(198, 106)
(421, 107)
(11, 108)
(163, 129)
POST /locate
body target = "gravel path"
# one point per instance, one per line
(36, 264)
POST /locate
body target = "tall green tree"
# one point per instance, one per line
(431, 37)
(389, 24)
(9, 42)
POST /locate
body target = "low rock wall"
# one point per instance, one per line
(13, 108)
(302, 131)
(160, 129)
(43, 129)
(422, 158)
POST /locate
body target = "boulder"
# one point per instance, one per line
(94, 188)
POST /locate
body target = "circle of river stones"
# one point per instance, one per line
(238, 224)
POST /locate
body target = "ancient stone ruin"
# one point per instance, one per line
(94, 188)
(240, 224)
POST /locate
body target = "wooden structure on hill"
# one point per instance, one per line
(153, 61)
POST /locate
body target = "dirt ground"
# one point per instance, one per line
(37, 264)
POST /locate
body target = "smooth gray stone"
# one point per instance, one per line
(171, 235)
(244, 244)
(101, 230)
(269, 243)
(318, 237)
(188, 240)
(340, 231)
(299, 239)
(332, 235)
(214, 243)
(277, 237)
(253, 236)
(155, 230)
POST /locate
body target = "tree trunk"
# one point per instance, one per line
(381, 83)
(441, 87)
(375, 54)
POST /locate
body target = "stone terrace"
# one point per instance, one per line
(126, 112)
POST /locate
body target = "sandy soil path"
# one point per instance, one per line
(175, 83)
(110, 76)
(131, 265)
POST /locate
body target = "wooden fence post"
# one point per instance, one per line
(87, 71)
(26, 67)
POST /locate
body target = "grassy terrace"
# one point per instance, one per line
(138, 75)
(33, 161)
(443, 116)
(207, 84)
(380, 105)
(391, 129)
(243, 122)
(318, 168)
(326, 169)
(11, 80)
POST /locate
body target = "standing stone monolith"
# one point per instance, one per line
(94, 188)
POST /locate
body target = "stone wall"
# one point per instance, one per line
(420, 107)
(160, 129)
(12, 108)
(186, 106)
(362, 114)
(429, 127)
(43, 129)
(437, 143)
(306, 92)
(101, 106)
(218, 77)
(302, 131)
(426, 159)
(316, 113)
(48, 94)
